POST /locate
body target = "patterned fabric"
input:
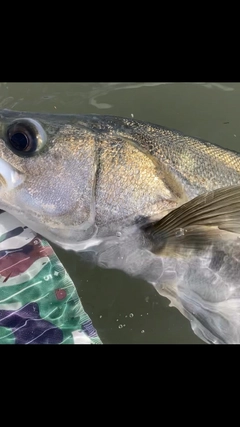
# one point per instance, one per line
(39, 303)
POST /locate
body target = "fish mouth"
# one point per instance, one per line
(10, 178)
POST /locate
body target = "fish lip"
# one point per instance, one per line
(10, 177)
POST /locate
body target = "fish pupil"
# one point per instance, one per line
(19, 141)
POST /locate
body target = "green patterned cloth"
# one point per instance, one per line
(39, 303)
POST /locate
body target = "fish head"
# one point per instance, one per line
(67, 176)
(47, 173)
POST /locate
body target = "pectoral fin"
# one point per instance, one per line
(199, 222)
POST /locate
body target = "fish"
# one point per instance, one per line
(138, 197)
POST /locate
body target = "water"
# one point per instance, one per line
(123, 309)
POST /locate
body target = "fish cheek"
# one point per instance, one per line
(62, 195)
(54, 200)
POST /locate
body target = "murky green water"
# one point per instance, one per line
(126, 310)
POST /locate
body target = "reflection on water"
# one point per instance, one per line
(123, 309)
(93, 92)
(118, 86)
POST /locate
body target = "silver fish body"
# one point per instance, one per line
(94, 183)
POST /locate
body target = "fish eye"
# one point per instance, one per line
(25, 137)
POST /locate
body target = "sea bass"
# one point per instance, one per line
(139, 197)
